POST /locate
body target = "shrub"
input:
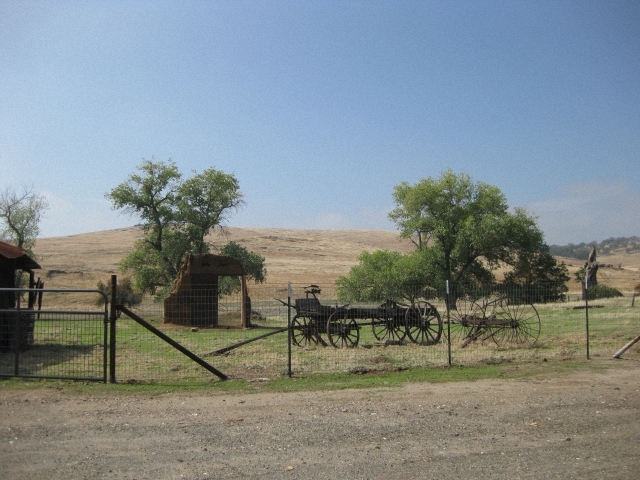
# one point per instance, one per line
(125, 294)
(603, 291)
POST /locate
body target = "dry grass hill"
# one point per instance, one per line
(299, 256)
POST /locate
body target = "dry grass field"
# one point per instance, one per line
(298, 256)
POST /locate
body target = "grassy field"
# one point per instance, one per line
(302, 257)
(142, 356)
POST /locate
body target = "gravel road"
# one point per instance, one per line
(580, 425)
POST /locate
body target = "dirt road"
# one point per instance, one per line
(576, 426)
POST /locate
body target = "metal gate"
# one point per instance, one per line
(67, 343)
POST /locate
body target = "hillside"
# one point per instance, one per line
(299, 256)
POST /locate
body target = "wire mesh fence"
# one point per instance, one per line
(70, 344)
(331, 334)
(303, 330)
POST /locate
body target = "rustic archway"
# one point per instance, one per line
(194, 299)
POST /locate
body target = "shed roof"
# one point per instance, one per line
(23, 260)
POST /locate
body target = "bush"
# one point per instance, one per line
(125, 294)
(603, 291)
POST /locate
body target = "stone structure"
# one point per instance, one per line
(194, 299)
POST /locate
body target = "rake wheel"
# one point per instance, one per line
(423, 323)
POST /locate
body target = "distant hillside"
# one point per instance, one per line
(292, 255)
(606, 247)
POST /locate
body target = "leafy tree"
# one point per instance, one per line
(376, 277)
(252, 263)
(385, 274)
(462, 230)
(177, 215)
(537, 277)
(465, 226)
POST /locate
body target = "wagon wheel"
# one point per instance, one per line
(424, 325)
(343, 332)
(388, 327)
(515, 323)
(467, 321)
(304, 331)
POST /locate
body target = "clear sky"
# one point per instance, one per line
(320, 108)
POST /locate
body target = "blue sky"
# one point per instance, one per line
(320, 108)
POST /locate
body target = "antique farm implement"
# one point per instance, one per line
(341, 325)
(501, 320)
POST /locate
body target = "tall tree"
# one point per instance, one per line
(468, 223)
(462, 231)
(20, 214)
(177, 215)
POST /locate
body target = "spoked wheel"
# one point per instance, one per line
(388, 328)
(517, 324)
(343, 332)
(424, 325)
(304, 331)
(466, 321)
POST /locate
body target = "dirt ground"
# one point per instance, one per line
(580, 425)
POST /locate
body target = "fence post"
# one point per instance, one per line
(289, 327)
(586, 310)
(112, 333)
(17, 338)
(245, 307)
(448, 327)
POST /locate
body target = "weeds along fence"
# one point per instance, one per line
(492, 325)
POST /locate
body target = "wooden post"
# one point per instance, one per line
(112, 332)
(586, 310)
(619, 353)
(245, 308)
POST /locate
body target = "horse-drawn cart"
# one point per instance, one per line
(389, 322)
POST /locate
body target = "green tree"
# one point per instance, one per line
(176, 217)
(385, 274)
(537, 277)
(252, 263)
(463, 230)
